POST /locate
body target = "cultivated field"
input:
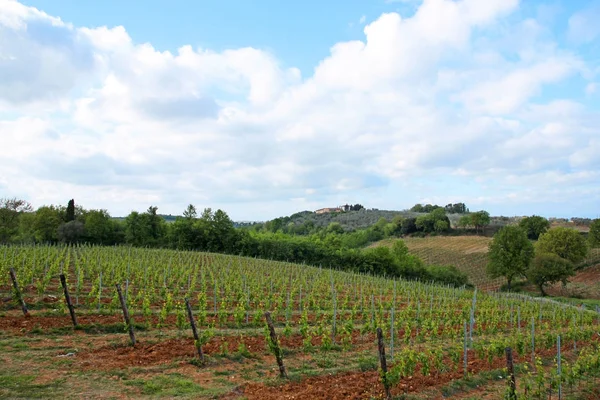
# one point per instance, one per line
(325, 321)
(469, 255)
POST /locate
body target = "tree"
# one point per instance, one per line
(10, 213)
(464, 221)
(71, 232)
(99, 227)
(334, 227)
(70, 211)
(480, 219)
(190, 212)
(409, 225)
(510, 254)
(46, 223)
(547, 269)
(435, 221)
(417, 208)
(458, 208)
(594, 235)
(534, 226)
(566, 243)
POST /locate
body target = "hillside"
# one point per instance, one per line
(325, 322)
(469, 255)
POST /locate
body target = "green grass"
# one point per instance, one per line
(15, 386)
(169, 385)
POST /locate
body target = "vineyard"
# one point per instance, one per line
(469, 255)
(438, 340)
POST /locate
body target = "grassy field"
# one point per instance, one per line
(325, 321)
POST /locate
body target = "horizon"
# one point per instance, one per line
(265, 109)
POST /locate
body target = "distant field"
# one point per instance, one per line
(467, 253)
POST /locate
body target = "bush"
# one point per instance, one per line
(449, 275)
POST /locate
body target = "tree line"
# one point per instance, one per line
(214, 231)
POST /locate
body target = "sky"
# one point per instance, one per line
(267, 108)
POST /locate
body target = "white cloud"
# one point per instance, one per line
(443, 93)
(583, 25)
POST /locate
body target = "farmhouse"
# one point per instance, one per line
(328, 210)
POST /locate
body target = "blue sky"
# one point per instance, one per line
(267, 108)
(299, 33)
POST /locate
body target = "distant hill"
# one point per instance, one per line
(349, 220)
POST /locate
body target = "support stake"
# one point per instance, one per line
(194, 330)
(274, 345)
(63, 282)
(13, 277)
(382, 361)
(511, 375)
(126, 315)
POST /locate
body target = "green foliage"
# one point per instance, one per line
(46, 223)
(448, 274)
(566, 243)
(594, 235)
(510, 253)
(435, 221)
(480, 219)
(534, 226)
(10, 212)
(547, 269)
(71, 232)
(70, 213)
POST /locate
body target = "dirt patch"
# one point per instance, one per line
(586, 283)
(27, 323)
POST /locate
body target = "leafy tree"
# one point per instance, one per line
(70, 216)
(335, 227)
(510, 254)
(357, 207)
(409, 225)
(534, 226)
(480, 219)
(190, 212)
(594, 235)
(71, 232)
(458, 208)
(100, 228)
(10, 211)
(135, 230)
(441, 226)
(548, 269)
(417, 208)
(435, 221)
(566, 243)
(464, 221)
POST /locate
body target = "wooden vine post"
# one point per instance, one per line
(18, 295)
(194, 331)
(274, 345)
(126, 315)
(383, 363)
(512, 384)
(63, 282)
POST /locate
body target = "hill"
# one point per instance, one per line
(469, 255)
(325, 320)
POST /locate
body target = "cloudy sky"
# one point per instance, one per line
(269, 107)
